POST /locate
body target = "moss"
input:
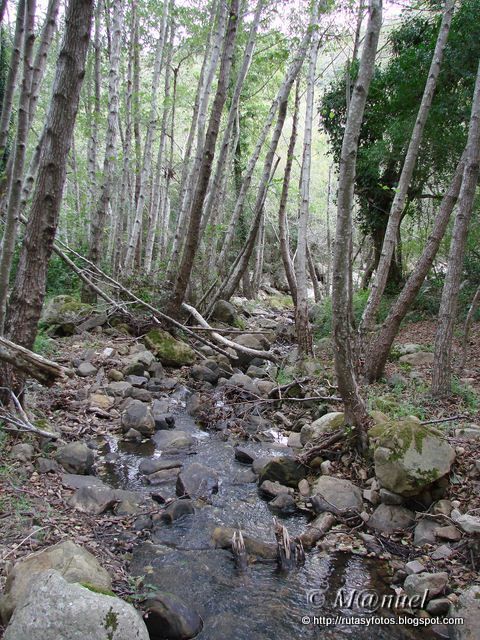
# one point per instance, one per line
(95, 589)
(399, 435)
(74, 307)
(169, 350)
(111, 623)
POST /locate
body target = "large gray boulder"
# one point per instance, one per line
(224, 311)
(418, 359)
(387, 518)
(75, 564)
(75, 457)
(285, 470)
(468, 608)
(54, 609)
(409, 456)
(138, 416)
(336, 495)
(326, 424)
(64, 311)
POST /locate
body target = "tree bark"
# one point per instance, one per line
(398, 205)
(441, 371)
(191, 243)
(344, 344)
(29, 286)
(31, 364)
(474, 306)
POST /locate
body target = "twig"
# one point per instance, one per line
(451, 419)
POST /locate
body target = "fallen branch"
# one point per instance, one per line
(31, 364)
(22, 423)
(320, 445)
(451, 419)
(265, 355)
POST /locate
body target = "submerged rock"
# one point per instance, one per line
(197, 481)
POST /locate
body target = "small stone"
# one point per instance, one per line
(388, 518)
(424, 532)
(414, 566)
(284, 503)
(197, 481)
(108, 352)
(136, 381)
(138, 416)
(388, 497)
(100, 401)
(438, 606)
(468, 523)
(244, 455)
(45, 465)
(122, 389)
(326, 467)
(443, 507)
(417, 584)
(448, 533)
(456, 504)
(441, 553)
(304, 488)
(23, 452)
(273, 489)
(132, 435)
(75, 457)
(176, 510)
(371, 496)
(86, 369)
(115, 375)
(278, 416)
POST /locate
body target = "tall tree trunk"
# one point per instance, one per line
(29, 287)
(441, 371)
(97, 231)
(15, 188)
(304, 337)
(192, 239)
(380, 347)
(474, 306)
(282, 207)
(398, 205)
(317, 293)
(344, 343)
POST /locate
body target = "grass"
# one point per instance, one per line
(44, 345)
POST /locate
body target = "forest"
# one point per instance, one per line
(239, 319)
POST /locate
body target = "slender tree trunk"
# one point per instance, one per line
(317, 294)
(99, 216)
(344, 343)
(3, 6)
(441, 371)
(304, 337)
(328, 279)
(15, 190)
(29, 286)
(398, 205)
(282, 208)
(475, 305)
(381, 345)
(192, 238)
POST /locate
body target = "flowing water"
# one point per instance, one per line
(265, 603)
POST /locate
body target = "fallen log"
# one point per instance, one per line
(31, 364)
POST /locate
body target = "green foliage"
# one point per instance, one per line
(466, 393)
(44, 345)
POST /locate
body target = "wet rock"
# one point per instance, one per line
(417, 584)
(162, 419)
(197, 481)
(169, 617)
(75, 457)
(143, 523)
(136, 381)
(304, 488)
(174, 439)
(294, 441)
(152, 465)
(222, 538)
(86, 369)
(409, 456)
(177, 510)
(284, 470)
(75, 564)
(120, 389)
(274, 489)
(284, 503)
(388, 518)
(23, 452)
(163, 476)
(336, 495)
(468, 608)
(132, 435)
(418, 359)
(244, 476)
(170, 351)
(424, 532)
(202, 373)
(244, 455)
(139, 417)
(325, 424)
(388, 497)
(54, 608)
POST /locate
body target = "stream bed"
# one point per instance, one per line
(265, 603)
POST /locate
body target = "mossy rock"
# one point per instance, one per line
(64, 311)
(325, 424)
(170, 351)
(409, 456)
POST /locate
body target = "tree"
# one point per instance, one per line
(344, 343)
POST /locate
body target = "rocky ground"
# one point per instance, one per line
(415, 503)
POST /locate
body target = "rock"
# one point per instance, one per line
(294, 441)
(224, 311)
(244, 382)
(121, 389)
(45, 465)
(141, 394)
(53, 608)
(23, 452)
(388, 518)
(388, 497)
(176, 510)
(448, 533)
(170, 351)
(405, 349)
(336, 495)
(378, 417)
(397, 380)
(274, 489)
(317, 529)
(93, 500)
(468, 523)
(469, 432)
(133, 435)
(417, 583)
(167, 616)
(75, 564)
(256, 372)
(73, 481)
(134, 369)
(304, 488)
(86, 369)
(244, 476)
(441, 553)
(152, 465)
(197, 481)
(283, 503)
(244, 455)
(222, 538)
(63, 310)
(438, 606)
(418, 359)
(443, 507)
(265, 387)
(414, 566)
(173, 439)
(100, 401)
(163, 476)
(257, 342)
(468, 608)
(409, 456)
(371, 496)
(284, 470)
(424, 532)
(162, 420)
(136, 381)
(325, 466)
(327, 423)
(139, 417)
(201, 373)
(75, 457)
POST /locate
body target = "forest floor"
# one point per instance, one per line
(34, 506)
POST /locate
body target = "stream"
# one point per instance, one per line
(264, 603)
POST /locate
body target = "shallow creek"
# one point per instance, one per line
(265, 603)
